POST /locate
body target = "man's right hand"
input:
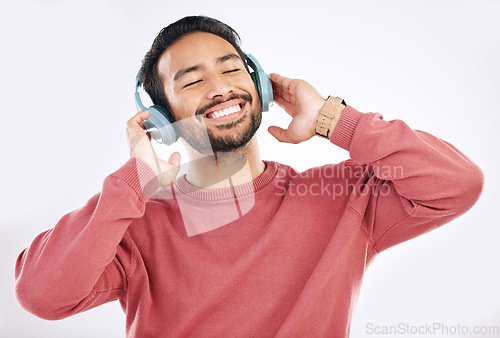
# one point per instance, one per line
(140, 146)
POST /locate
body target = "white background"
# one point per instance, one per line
(68, 71)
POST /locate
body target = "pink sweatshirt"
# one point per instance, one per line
(281, 256)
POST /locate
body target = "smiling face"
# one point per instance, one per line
(210, 92)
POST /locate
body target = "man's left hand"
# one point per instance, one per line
(302, 102)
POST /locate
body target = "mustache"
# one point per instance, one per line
(212, 104)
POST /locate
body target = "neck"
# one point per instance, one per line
(225, 169)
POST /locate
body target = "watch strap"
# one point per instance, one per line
(330, 110)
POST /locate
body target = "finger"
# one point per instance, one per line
(284, 94)
(280, 134)
(135, 126)
(281, 81)
(287, 106)
(138, 139)
(281, 85)
(138, 118)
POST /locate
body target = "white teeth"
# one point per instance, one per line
(225, 112)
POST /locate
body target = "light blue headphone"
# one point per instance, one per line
(159, 124)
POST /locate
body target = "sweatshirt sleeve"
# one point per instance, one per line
(416, 182)
(85, 259)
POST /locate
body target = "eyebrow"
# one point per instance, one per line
(197, 67)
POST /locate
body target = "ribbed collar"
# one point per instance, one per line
(228, 193)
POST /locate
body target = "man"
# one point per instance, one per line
(239, 246)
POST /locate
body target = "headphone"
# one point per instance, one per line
(160, 124)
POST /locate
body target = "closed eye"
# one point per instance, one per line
(192, 83)
(231, 71)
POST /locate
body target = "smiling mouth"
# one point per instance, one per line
(224, 112)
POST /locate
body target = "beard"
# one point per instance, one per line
(237, 133)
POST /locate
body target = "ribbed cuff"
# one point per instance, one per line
(139, 176)
(344, 130)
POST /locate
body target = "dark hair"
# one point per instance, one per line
(149, 76)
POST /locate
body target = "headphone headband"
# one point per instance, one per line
(138, 103)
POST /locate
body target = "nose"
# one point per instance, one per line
(218, 87)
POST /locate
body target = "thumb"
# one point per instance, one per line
(175, 159)
(280, 134)
(172, 166)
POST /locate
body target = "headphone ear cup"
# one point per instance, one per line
(165, 112)
(262, 83)
(160, 125)
(264, 88)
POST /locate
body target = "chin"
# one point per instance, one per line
(231, 137)
(238, 137)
